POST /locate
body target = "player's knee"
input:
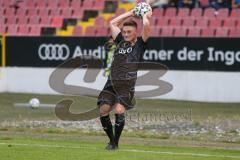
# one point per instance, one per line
(119, 109)
(104, 110)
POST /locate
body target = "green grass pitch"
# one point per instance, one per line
(45, 143)
(22, 147)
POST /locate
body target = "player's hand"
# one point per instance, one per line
(131, 12)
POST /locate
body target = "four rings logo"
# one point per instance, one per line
(53, 52)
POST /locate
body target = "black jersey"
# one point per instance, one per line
(126, 58)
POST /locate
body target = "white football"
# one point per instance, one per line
(141, 9)
(34, 103)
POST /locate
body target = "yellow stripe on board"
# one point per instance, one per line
(4, 51)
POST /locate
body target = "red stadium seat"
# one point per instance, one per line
(35, 30)
(30, 4)
(2, 21)
(45, 21)
(234, 32)
(11, 20)
(207, 32)
(23, 30)
(188, 22)
(215, 23)
(87, 5)
(77, 31)
(194, 32)
(22, 20)
(2, 29)
(162, 22)
(180, 32)
(158, 12)
(57, 22)
(32, 12)
(102, 31)
(238, 23)
(9, 12)
(41, 4)
(196, 13)
(175, 22)
(21, 12)
(202, 23)
(44, 12)
(222, 13)
(76, 4)
(64, 3)
(98, 5)
(99, 21)
(209, 13)
(12, 30)
(6, 3)
(166, 32)
(53, 4)
(155, 31)
(183, 12)
(153, 21)
(66, 12)
(235, 13)
(90, 31)
(221, 32)
(2, 11)
(54, 12)
(229, 23)
(170, 12)
(77, 13)
(34, 20)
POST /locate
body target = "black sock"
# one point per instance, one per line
(119, 125)
(107, 127)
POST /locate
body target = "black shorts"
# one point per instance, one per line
(119, 91)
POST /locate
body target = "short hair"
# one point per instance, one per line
(130, 23)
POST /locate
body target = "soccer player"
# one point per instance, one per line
(118, 91)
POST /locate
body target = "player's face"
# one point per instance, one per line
(129, 33)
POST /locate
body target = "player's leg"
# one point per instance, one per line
(123, 91)
(119, 121)
(106, 99)
(106, 121)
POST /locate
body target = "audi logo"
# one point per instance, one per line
(53, 52)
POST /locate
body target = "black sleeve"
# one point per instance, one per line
(119, 38)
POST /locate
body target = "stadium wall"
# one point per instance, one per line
(187, 85)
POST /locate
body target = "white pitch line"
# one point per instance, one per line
(124, 150)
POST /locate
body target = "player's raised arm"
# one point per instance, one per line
(115, 23)
(146, 26)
